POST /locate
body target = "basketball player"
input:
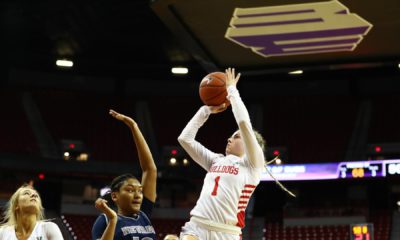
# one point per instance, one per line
(134, 200)
(231, 179)
(24, 218)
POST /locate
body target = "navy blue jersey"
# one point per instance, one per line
(128, 228)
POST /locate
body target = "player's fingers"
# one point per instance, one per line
(228, 74)
(117, 115)
(237, 77)
(221, 107)
(98, 200)
(98, 203)
(113, 113)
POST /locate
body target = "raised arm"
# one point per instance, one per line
(104, 227)
(149, 169)
(253, 150)
(197, 151)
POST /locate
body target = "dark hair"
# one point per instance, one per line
(116, 183)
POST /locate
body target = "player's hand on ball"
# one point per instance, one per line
(231, 79)
(218, 109)
(127, 120)
(101, 204)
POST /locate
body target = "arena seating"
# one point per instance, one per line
(385, 119)
(382, 224)
(310, 133)
(167, 226)
(276, 231)
(80, 226)
(80, 116)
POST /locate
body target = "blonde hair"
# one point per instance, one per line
(260, 139)
(276, 180)
(262, 143)
(10, 211)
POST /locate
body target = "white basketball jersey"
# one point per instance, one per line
(226, 191)
(40, 232)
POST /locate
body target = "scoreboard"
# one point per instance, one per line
(363, 231)
(361, 170)
(340, 170)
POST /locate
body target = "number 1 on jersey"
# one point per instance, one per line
(214, 192)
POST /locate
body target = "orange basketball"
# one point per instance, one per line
(212, 89)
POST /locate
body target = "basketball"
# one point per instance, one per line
(212, 89)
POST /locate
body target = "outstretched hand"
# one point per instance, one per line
(231, 79)
(101, 204)
(127, 120)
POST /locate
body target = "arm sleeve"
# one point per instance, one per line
(253, 150)
(98, 227)
(53, 231)
(197, 152)
(147, 207)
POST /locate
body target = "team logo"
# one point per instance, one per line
(297, 29)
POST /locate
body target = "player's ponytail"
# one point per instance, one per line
(109, 200)
(276, 180)
(261, 141)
